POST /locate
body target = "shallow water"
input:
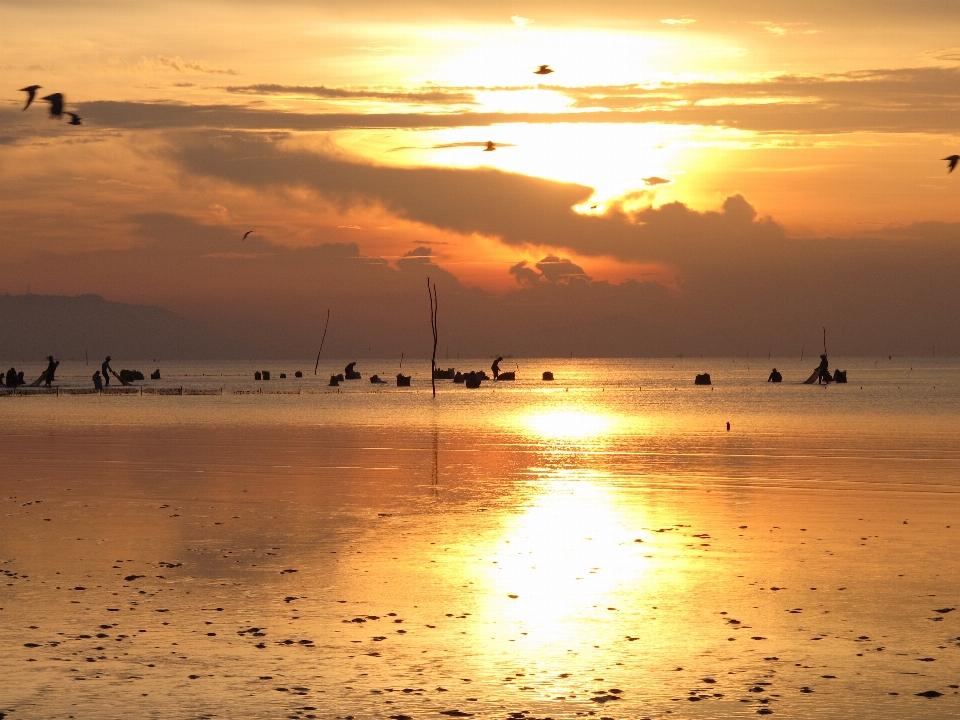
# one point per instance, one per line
(384, 500)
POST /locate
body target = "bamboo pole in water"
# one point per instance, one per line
(432, 292)
(321, 342)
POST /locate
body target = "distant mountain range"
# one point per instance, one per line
(34, 326)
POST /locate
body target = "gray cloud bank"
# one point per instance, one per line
(742, 286)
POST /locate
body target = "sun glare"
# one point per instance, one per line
(568, 554)
(568, 425)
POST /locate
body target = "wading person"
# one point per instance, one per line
(51, 370)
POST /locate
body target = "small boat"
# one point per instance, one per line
(403, 380)
(375, 380)
(702, 379)
(334, 381)
(448, 374)
(506, 376)
(459, 378)
(473, 379)
(547, 375)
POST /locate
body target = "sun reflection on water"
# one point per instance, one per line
(558, 568)
(568, 425)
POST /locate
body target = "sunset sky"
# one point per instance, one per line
(693, 177)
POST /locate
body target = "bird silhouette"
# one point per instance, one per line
(490, 146)
(56, 104)
(75, 120)
(543, 70)
(31, 91)
(953, 160)
(245, 234)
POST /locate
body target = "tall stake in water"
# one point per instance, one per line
(432, 293)
(321, 342)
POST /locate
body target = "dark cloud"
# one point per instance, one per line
(518, 209)
(654, 180)
(876, 295)
(736, 271)
(551, 269)
(432, 96)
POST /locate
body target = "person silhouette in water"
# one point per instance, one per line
(97, 381)
(823, 371)
(106, 370)
(775, 376)
(496, 368)
(51, 370)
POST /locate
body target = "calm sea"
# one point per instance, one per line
(597, 546)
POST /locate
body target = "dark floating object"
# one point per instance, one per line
(547, 375)
(403, 380)
(334, 381)
(375, 380)
(298, 373)
(930, 694)
(459, 378)
(128, 376)
(473, 379)
(702, 379)
(283, 376)
(775, 376)
(266, 374)
(349, 373)
(448, 374)
(543, 70)
(155, 375)
(258, 375)
(506, 376)
(839, 376)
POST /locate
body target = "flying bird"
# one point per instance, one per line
(75, 120)
(490, 146)
(245, 234)
(544, 70)
(56, 104)
(953, 160)
(31, 91)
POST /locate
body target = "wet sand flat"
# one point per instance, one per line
(221, 563)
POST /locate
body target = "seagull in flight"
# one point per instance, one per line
(75, 120)
(31, 91)
(490, 146)
(953, 160)
(245, 234)
(543, 70)
(56, 104)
